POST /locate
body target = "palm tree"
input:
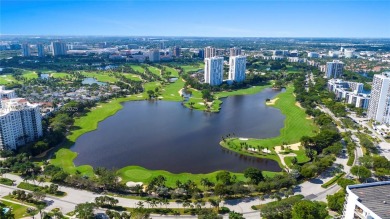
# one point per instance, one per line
(140, 205)
(153, 203)
(165, 202)
(148, 201)
(186, 203)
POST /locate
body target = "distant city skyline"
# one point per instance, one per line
(360, 19)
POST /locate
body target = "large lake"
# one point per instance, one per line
(162, 135)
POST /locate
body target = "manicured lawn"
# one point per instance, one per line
(100, 76)
(132, 76)
(140, 174)
(154, 70)
(19, 211)
(296, 124)
(174, 72)
(6, 79)
(137, 68)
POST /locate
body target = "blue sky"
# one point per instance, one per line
(255, 18)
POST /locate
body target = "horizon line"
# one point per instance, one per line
(101, 35)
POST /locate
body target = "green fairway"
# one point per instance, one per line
(154, 70)
(19, 211)
(296, 125)
(100, 76)
(137, 68)
(173, 72)
(30, 74)
(6, 79)
(171, 91)
(132, 77)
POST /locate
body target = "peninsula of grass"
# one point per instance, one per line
(19, 211)
(199, 103)
(296, 125)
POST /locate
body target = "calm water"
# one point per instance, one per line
(165, 135)
(91, 81)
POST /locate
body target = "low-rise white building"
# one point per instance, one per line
(349, 92)
(367, 201)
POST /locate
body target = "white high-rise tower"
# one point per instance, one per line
(379, 107)
(213, 70)
(237, 68)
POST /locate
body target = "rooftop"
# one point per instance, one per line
(375, 196)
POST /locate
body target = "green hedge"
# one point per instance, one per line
(35, 188)
(6, 181)
(333, 180)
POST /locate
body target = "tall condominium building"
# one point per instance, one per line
(20, 123)
(334, 69)
(41, 50)
(26, 49)
(379, 107)
(209, 52)
(213, 70)
(176, 51)
(237, 68)
(154, 55)
(58, 48)
(367, 201)
(235, 51)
